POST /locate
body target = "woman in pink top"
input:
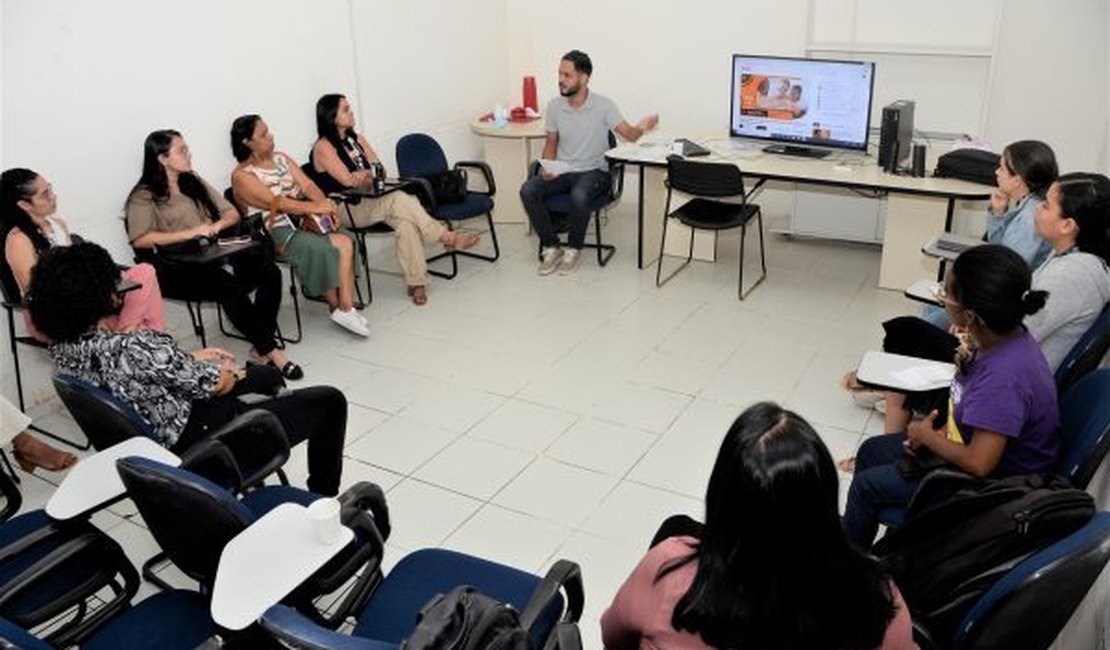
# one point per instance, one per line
(771, 567)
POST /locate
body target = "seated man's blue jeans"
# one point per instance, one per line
(877, 484)
(583, 187)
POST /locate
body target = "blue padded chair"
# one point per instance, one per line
(1085, 430)
(172, 620)
(559, 205)
(49, 571)
(390, 616)
(192, 519)
(1087, 352)
(419, 156)
(1033, 601)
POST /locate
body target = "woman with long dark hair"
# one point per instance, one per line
(770, 568)
(171, 204)
(30, 225)
(342, 159)
(182, 397)
(272, 183)
(1002, 416)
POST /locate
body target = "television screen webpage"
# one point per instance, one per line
(804, 101)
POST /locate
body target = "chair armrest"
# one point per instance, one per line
(255, 434)
(563, 575)
(533, 168)
(44, 567)
(214, 461)
(298, 631)
(422, 188)
(567, 636)
(487, 173)
(367, 497)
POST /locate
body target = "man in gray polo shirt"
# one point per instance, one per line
(578, 124)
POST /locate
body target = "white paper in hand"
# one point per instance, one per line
(554, 167)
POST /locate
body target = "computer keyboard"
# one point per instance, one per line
(792, 150)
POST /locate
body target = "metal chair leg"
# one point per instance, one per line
(659, 261)
(605, 252)
(762, 258)
(197, 319)
(22, 402)
(453, 255)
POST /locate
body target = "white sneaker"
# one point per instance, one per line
(549, 259)
(350, 321)
(569, 263)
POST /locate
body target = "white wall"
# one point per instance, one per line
(94, 78)
(1051, 58)
(84, 82)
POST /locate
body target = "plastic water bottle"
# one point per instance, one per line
(500, 116)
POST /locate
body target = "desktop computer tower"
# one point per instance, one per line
(896, 135)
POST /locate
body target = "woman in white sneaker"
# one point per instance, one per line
(271, 182)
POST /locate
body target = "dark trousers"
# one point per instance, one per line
(317, 414)
(251, 271)
(583, 187)
(877, 484)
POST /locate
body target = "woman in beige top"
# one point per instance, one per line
(271, 182)
(172, 204)
(342, 159)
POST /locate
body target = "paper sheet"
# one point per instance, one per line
(923, 377)
(554, 167)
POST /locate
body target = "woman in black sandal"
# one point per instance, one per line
(172, 204)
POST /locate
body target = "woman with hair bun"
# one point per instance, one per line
(1002, 417)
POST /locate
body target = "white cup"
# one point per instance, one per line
(324, 515)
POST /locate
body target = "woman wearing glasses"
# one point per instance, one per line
(1002, 417)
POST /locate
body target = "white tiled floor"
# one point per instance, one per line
(525, 419)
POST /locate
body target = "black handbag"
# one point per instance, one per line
(972, 165)
(449, 186)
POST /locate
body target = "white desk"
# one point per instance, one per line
(917, 208)
(901, 373)
(94, 481)
(265, 562)
(508, 152)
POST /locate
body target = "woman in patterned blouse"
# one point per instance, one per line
(182, 396)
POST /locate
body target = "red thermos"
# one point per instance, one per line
(530, 94)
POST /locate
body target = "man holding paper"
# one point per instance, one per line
(577, 124)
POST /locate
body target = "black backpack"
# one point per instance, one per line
(948, 554)
(972, 165)
(466, 619)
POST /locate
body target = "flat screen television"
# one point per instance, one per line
(802, 102)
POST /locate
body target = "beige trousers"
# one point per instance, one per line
(412, 226)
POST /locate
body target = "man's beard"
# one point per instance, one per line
(567, 92)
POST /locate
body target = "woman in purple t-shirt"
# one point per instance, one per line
(1002, 419)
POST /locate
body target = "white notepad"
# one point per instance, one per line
(901, 373)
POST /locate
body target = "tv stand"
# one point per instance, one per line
(794, 150)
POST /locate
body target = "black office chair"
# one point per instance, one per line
(13, 302)
(719, 181)
(419, 156)
(193, 518)
(558, 206)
